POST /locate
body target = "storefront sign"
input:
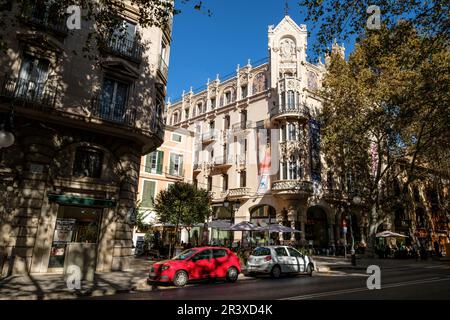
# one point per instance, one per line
(63, 231)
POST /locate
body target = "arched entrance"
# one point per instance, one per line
(316, 228)
(262, 216)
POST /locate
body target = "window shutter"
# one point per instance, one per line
(181, 165)
(172, 164)
(148, 194)
(148, 162)
(160, 162)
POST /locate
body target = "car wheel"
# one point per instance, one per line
(232, 274)
(276, 272)
(181, 278)
(309, 270)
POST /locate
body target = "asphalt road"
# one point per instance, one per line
(406, 282)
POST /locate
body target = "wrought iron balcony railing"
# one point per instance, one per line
(175, 173)
(242, 125)
(208, 136)
(113, 111)
(163, 67)
(296, 109)
(32, 92)
(46, 16)
(127, 48)
(223, 160)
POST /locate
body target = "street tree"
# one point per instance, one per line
(182, 204)
(342, 19)
(385, 108)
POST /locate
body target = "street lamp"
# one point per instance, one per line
(6, 135)
(357, 201)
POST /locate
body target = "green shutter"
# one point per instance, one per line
(148, 194)
(160, 162)
(181, 165)
(148, 162)
(171, 164)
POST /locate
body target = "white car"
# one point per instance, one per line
(278, 260)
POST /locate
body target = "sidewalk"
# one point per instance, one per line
(334, 263)
(50, 286)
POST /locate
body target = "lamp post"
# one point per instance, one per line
(357, 201)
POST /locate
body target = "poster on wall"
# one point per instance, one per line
(63, 231)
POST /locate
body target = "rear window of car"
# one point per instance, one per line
(280, 251)
(219, 253)
(261, 251)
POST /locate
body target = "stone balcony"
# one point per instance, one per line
(292, 189)
(239, 193)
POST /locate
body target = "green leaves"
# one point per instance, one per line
(182, 204)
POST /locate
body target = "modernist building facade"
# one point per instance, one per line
(68, 184)
(170, 163)
(257, 146)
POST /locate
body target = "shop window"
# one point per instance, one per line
(73, 225)
(88, 163)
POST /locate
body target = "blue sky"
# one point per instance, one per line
(203, 46)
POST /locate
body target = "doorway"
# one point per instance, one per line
(76, 232)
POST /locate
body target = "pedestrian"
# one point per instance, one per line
(437, 248)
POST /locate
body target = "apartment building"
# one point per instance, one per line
(69, 182)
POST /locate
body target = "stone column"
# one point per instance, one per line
(302, 219)
(291, 219)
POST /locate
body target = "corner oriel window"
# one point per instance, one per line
(88, 163)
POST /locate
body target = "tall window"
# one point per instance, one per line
(199, 108)
(88, 163)
(186, 113)
(113, 100)
(123, 38)
(290, 99)
(148, 193)
(209, 185)
(243, 179)
(32, 77)
(227, 97)
(176, 164)
(292, 132)
(213, 103)
(227, 122)
(292, 169)
(244, 91)
(225, 182)
(243, 119)
(154, 162)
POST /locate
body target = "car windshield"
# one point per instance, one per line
(261, 251)
(185, 254)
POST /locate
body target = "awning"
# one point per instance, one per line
(81, 201)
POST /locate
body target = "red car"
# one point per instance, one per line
(197, 264)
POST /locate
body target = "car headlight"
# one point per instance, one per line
(165, 268)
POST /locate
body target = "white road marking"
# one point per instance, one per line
(387, 286)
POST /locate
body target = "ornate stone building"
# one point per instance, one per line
(68, 183)
(257, 146)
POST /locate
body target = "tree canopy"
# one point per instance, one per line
(341, 19)
(387, 107)
(182, 204)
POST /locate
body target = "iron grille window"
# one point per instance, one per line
(88, 163)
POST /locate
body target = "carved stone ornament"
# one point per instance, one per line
(289, 149)
(287, 51)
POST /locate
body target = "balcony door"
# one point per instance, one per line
(113, 100)
(32, 78)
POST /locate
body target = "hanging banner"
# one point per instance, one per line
(264, 166)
